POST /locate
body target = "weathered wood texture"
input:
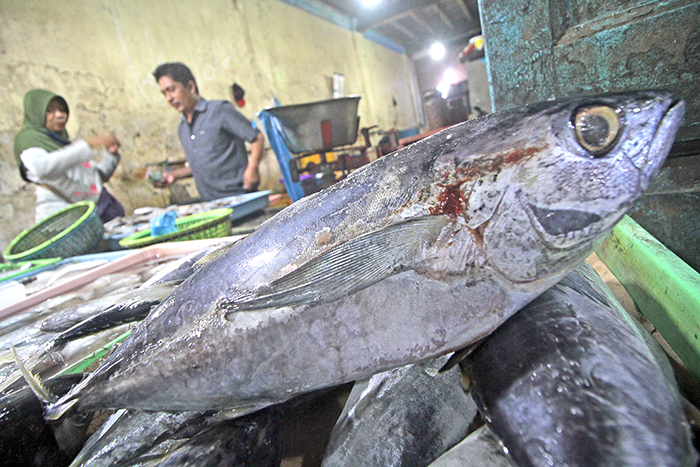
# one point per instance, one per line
(558, 48)
(539, 50)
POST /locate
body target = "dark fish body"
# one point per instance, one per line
(128, 435)
(415, 255)
(572, 380)
(254, 440)
(184, 438)
(65, 319)
(416, 412)
(128, 311)
(26, 439)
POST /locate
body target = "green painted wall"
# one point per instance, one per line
(100, 55)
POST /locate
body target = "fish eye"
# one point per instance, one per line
(597, 128)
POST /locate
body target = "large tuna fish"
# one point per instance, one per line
(586, 385)
(412, 256)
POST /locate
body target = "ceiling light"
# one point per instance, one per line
(449, 77)
(437, 51)
(369, 3)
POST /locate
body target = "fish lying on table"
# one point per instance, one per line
(127, 435)
(416, 412)
(253, 440)
(573, 380)
(42, 345)
(415, 255)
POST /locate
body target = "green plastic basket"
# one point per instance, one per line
(210, 224)
(75, 230)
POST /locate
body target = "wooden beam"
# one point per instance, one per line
(465, 7)
(665, 289)
(387, 13)
(405, 31)
(443, 15)
(419, 20)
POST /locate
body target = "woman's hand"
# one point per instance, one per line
(106, 140)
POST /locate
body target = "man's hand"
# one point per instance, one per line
(165, 181)
(251, 178)
(169, 178)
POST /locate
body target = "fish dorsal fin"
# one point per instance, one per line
(346, 268)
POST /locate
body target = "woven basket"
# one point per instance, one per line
(210, 224)
(75, 230)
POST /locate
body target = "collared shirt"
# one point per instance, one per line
(214, 144)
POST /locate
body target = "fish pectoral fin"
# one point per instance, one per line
(348, 267)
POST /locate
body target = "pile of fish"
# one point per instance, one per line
(427, 252)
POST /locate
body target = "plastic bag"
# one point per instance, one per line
(163, 224)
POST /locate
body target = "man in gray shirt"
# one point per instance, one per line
(213, 135)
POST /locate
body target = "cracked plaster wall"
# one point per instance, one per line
(100, 55)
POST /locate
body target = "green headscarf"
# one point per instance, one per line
(34, 133)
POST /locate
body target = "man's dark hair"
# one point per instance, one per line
(177, 72)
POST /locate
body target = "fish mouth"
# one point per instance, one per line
(669, 125)
(564, 223)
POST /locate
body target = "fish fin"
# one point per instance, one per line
(459, 355)
(70, 431)
(346, 268)
(33, 381)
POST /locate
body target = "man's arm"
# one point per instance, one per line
(170, 177)
(251, 176)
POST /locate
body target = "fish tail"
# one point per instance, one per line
(33, 381)
(17, 375)
(69, 428)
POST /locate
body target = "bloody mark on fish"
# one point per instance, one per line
(450, 201)
(517, 155)
(495, 163)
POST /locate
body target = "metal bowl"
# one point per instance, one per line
(318, 126)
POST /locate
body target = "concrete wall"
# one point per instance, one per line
(100, 54)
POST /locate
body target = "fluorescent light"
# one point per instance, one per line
(370, 3)
(437, 51)
(449, 77)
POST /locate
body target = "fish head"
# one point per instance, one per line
(547, 182)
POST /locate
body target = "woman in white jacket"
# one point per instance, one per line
(63, 170)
